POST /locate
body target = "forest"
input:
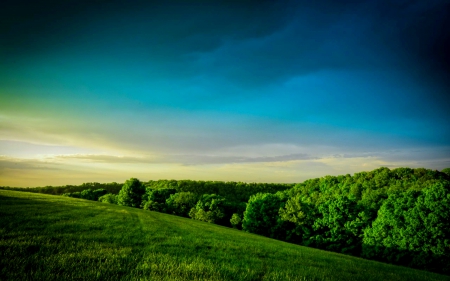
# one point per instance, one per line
(399, 216)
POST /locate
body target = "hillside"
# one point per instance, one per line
(44, 237)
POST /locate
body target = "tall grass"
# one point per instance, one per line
(44, 237)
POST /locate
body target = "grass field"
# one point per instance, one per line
(45, 237)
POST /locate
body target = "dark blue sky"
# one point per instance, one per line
(213, 84)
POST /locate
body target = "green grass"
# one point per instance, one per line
(45, 237)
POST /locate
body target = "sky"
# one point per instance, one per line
(253, 91)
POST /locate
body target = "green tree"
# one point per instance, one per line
(210, 208)
(131, 193)
(236, 221)
(97, 193)
(446, 171)
(73, 194)
(87, 194)
(155, 199)
(181, 203)
(108, 198)
(413, 229)
(302, 215)
(339, 225)
(261, 215)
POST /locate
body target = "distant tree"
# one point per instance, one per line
(181, 203)
(232, 191)
(155, 199)
(131, 193)
(72, 194)
(87, 194)
(236, 221)
(261, 215)
(210, 208)
(108, 198)
(446, 171)
(97, 193)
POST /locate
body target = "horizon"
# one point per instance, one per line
(172, 179)
(258, 91)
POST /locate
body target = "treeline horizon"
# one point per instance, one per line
(400, 216)
(114, 187)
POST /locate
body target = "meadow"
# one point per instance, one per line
(45, 237)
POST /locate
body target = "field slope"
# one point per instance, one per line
(45, 237)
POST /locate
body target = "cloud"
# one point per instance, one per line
(212, 159)
(411, 156)
(178, 159)
(9, 163)
(102, 158)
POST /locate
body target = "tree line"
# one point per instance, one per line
(217, 202)
(112, 187)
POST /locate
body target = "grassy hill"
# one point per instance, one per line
(45, 237)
